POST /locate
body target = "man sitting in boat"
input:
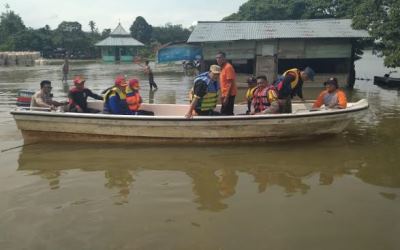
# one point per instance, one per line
(291, 85)
(265, 98)
(78, 97)
(115, 98)
(332, 97)
(133, 98)
(251, 87)
(205, 93)
(44, 98)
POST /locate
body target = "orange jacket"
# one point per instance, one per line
(339, 95)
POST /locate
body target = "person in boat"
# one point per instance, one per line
(332, 97)
(227, 81)
(205, 93)
(115, 98)
(290, 84)
(265, 98)
(44, 98)
(251, 86)
(133, 98)
(78, 97)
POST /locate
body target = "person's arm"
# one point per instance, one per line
(274, 104)
(320, 100)
(93, 95)
(189, 114)
(342, 100)
(199, 91)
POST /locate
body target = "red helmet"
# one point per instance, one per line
(134, 83)
(79, 80)
(120, 81)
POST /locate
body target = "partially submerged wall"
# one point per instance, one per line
(20, 58)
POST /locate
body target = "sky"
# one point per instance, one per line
(107, 13)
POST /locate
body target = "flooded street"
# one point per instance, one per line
(340, 192)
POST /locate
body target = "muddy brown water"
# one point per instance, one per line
(340, 192)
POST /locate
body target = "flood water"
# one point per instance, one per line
(340, 192)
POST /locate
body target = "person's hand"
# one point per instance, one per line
(226, 99)
(189, 115)
(252, 113)
(79, 109)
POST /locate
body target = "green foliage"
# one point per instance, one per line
(254, 10)
(141, 30)
(382, 20)
(170, 33)
(10, 24)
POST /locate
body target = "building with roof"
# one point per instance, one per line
(119, 46)
(271, 47)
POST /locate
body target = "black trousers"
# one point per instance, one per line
(227, 109)
(152, 82)
(207, 112)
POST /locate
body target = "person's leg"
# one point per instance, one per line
(227, 109)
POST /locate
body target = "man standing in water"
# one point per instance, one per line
(65, 70)
(227, 84)
(149, 72)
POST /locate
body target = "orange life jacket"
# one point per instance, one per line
(133, 100)
(260, 98)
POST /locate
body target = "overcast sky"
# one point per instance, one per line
(107, 13)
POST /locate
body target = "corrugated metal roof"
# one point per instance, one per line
(261, 30)
(119, 37)
(119, 41)
(119, 31)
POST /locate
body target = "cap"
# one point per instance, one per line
(120, 81)
(215, 69)
(134, 83)
(78, 80)
(310, 73)
(251, 80)
(332, 81)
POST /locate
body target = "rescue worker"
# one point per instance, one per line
(227, 81)
(332, 97)
(115, 98)
(78, 97)
(291, 85)
(205, 93)
(265, 98)
(133, 98)
(251, 86)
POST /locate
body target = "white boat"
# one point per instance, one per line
(169, 124)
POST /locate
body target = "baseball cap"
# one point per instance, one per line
(332, 81)
(310, 73)
(120, 81)
(79, 79)
(215, 69)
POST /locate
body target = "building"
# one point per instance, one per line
(119, 46)
(271, 47)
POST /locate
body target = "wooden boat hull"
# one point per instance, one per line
(50, 126)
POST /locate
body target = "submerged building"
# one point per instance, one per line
(119, 46)
(271, 47)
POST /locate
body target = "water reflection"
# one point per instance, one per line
(215, 172)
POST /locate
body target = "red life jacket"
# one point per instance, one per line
(260, 98)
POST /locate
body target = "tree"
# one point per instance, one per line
(170, 33)
(10, 24)
(294, 9)
(382, 20)
(141, 30)
(69, 35)
(92, 26)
